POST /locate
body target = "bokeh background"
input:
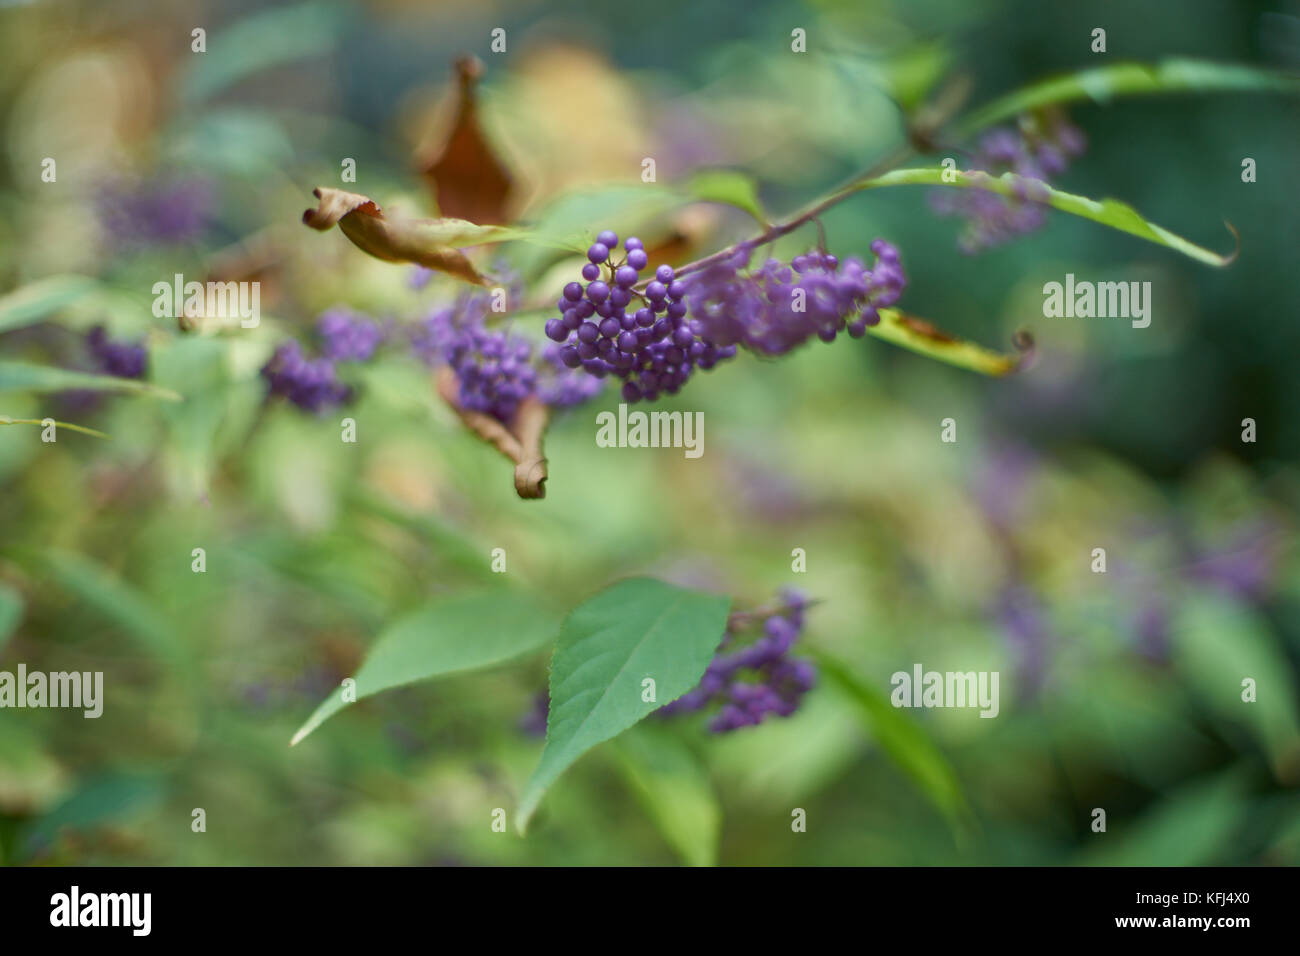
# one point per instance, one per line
(1119, 690)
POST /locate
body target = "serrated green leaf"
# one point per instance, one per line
(918, 335)
(905, 742)
(38, 299)
(729, 187)
(1102, 84)
(632, 630)
(27, 377)
(1107, 212)
(446, 636)
(674, 788)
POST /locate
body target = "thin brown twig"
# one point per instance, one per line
(807, 214)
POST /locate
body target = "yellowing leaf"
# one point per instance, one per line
(922, 337)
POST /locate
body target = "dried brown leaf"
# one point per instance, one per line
(428, 242)
(467, 179)
(521, 442)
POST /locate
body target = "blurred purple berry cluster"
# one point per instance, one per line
(310, 383)
(157, 211)
(608, 327)
(1040, 149)
(496, 370)
(777, 307)
(757, 680)
(347, 336)
(123, 359)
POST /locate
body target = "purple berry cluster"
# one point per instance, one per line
(1038, 151)
(347, 336)
(609, 327)
(495, 369)
(779, 306)
(756, 680)
(123, 359)
(310, 383)
(156, 211)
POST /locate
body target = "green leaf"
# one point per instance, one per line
(38, 299)
(264, 39)
(1218, 643)
(1102, 84)
(906, 743)
(632, 630)
(920, 336)
(199, 366)
(1189, 827)
(565, 222)
(118, 602)
(445, 636)
(11, 612)
(106, 798)
(26, 377)
(6, 420)
(730, 187)
(447, 543)
(1108, 212)
(674, 788)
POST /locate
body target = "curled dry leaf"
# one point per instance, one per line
(466, 177)
(432, 243)
(521, 442)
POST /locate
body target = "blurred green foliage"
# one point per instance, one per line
(1122, 692)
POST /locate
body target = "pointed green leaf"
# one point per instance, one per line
(1193, 826)
(1218, 644)
(106, 797)
(446, 636)
(632, 630)
(1102, 84)
(261, 40)
(905, 742)
(674, 788)
(118, 602)
(26, 377)
(1108, 212)
(38, 299)
(730, 187)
